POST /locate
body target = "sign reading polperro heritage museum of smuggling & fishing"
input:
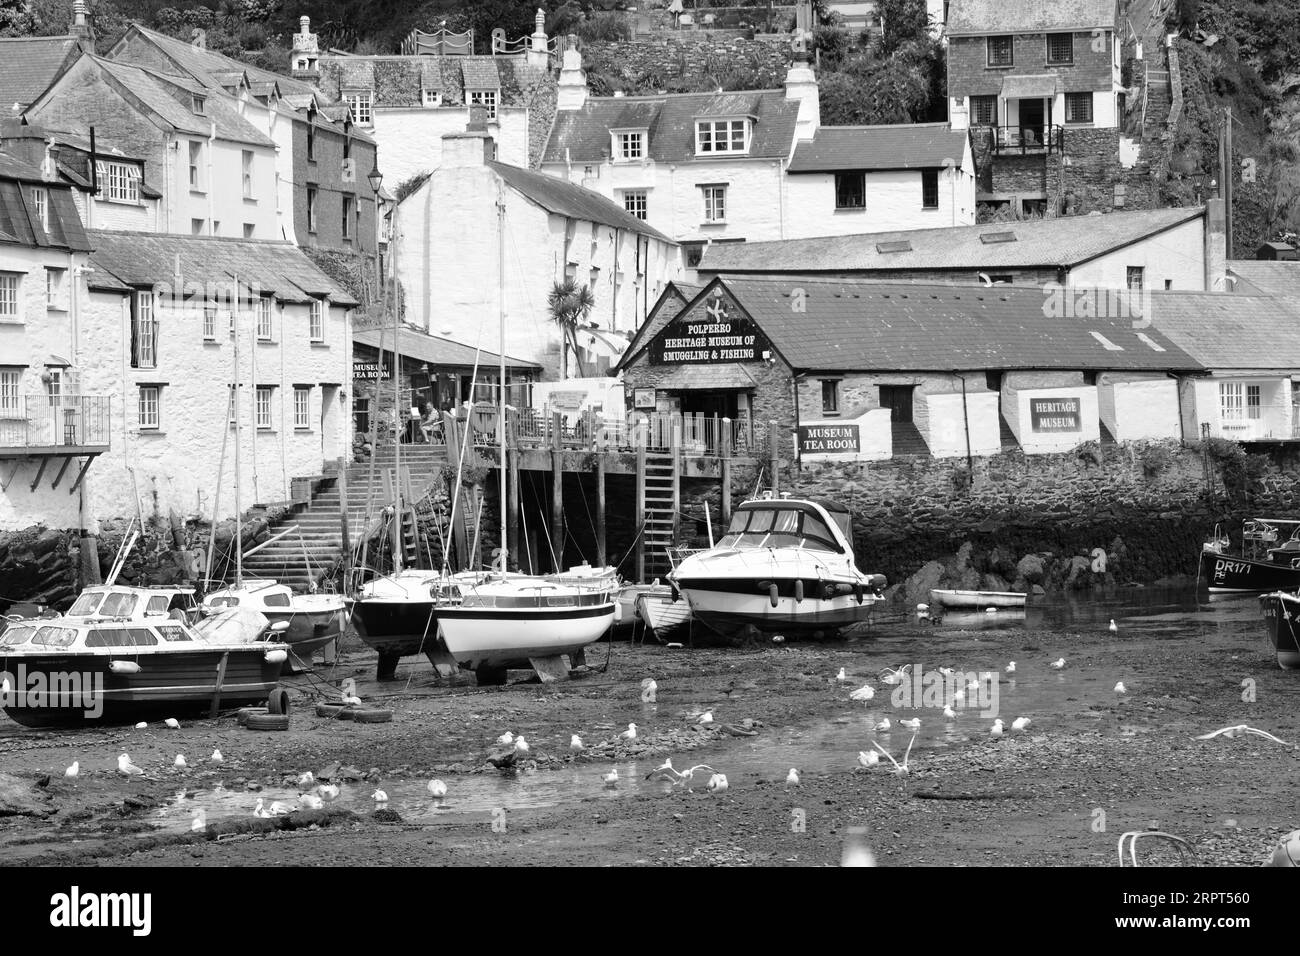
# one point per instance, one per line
(1054, 415)
(708, 336)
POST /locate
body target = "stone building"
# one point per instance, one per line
(851, 369)
(28, 65)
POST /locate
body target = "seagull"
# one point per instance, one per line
(1020, 723)
(309, 801)
(996, 730)
(179, 762)
(125, 766)
(1240, 729)
(706, 718)
(200, 821)
(990, 610)
(856, 852)
(611, 778)
(349, 691)
(306, 780)
(883, 725)
(73, 770)
(949, 713)
(792, 778)
(1120, 688)
(666, 771)
(629, 734)
(172, 723)
(575, 743)
(216, 757)
(506, 739)
(899, 769)
(973, 686)
(1113, 629)
(260, 810)
(718, 783)
(379, 796)
(438, 789)
(1010, 668)
(893, 676)
(959, 697)
(913, 725)
(521, 745)
(1058, 663)
(946, 671)
(279, 809)
(868, 758)
(865, 692)
(141, 726)
(328, 790)
(841, 675)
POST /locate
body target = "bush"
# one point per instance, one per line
(1089, 453)
(1156, 458)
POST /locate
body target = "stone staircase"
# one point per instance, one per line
(301, 557)
(907, 439)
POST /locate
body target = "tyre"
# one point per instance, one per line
(329, 710)
(246, 712)
(268, 722)
(278, 701)
(371, 715)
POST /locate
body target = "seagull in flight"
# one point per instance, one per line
(894, 676)
(1238, 731)
(899, 769)
(666, 771)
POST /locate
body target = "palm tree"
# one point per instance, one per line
(570, 304)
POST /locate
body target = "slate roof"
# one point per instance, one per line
(670, 119)
(975, 17)
(859, 325)
(667, 307)
(909, 146)
(143, 258)
(1046, 243)
(30, 64)
(436, 350)
(1231, 332)
(1265, 277)
(563, 198)
(18, 221)
(207, 66)
(398, 81)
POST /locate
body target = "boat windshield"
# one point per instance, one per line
(86, 604)
(778, 528)
(276, 600)
(16, 634)
(52, 636)
(224, 600)
(118, 604)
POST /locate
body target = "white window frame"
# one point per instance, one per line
(1232, 401)
(265, 319)
(717, 137)
(246, 163)
(629, 145)
(54, 287)
(149, 408)
(715, 202)
(41, 206)
(316, 321)
(11, 289)
(117, 182)
(54, 387)
(636, 202)
(362, 105)
(232, 407)
(11, 380)
(196, 165)
(485, 98)
(145, 336)
(209, 323)
(301, 407)
(432, 99)
(1080, 97)
(262, 404)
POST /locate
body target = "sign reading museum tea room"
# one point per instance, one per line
(828, 439)
(709, 337)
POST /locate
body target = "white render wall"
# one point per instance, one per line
(893, 203)
(221, 198)
(143, 216)
(278, 127)
(1275, 412)
(1142, 410)
(410, 140)
(1016, 409)
(948, 418)
(875, 437)
(1176, 255)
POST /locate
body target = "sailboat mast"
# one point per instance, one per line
(397, 406)
(239, 510)
(501, 368)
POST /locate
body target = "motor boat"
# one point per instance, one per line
(1268, 561)
(977, 599)
(1282, 624)
(784, 564)
(314, 620)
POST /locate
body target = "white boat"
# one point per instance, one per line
(124, 602)
(784, 564)
(977, 599)
(662, 611)
(313, 619)
(397, 615)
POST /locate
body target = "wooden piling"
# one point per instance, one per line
(640, 509)
(601, 557)
(557, 490)
(725, 462)
(774, 456)
(512, 508)
(677, 479)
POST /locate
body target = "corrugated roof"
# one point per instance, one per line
(1265, 276)
(1226, 331)
(968, 17)
(141, 259)
(913, 146)
(30, 64)
(670, 119)
(437, 350)
(859, 325)
(1064, 241)
(563, 198)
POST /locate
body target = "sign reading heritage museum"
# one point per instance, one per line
(1054, 415)
(821, 439)
(714, 337)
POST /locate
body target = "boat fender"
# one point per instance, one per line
(124, 667)
(798, 592)
(857, 592)
(277, 656)
(829, 590)
(773, 594)
(879, 582)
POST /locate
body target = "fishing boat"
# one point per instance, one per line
(313, 620)
(1269, 560)
(1281, 621)
(663, 611)
(125, 602)
(68, 671)
(785, 564)
(977, 599)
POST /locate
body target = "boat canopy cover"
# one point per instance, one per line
(236, 625)
(799, 503)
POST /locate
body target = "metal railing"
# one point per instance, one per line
(66, 421)
(704, 436)
(1273, 422)
(1028, 139)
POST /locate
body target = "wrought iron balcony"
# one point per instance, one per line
(1028, 139)
(36, 425)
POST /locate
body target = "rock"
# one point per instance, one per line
(503, 758)
(1030, 568)
(328, 772)
(18, 798)
(918, 586)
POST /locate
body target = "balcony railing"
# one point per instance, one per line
(1029, 139)
(68, 422)
(1273, 422)
(705, 436)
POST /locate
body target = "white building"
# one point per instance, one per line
(448, 256)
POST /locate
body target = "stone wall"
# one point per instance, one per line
(970, 75)
(1095, 180)
(689, 62)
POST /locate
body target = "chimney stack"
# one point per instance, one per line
(538, 54)
(81, 28)
(472, 148)
(801, 85)
(1216, 247)
(572, 86)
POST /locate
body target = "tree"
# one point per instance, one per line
(902, 22)
(570, 304)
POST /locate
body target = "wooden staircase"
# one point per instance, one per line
(660, 497)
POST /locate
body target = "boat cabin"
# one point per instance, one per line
(119, 602)
(41, 637)
(1264, 534)
(815, 524)
(255, 594)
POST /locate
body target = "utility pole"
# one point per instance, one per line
(1227, 175)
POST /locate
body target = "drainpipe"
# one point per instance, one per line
(965, 416)
(212, 140)
(794, 392)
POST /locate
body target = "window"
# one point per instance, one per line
(117, 182)
(311, 208)
(485, 98)
(9, 296)
(54, 288)
(264, 319)
(216, 227)
(144, 331)
(1060, 49)
(432, 98)
(54, 387)
(634, 201)
(197, 104)
(1238, 401)
(311, 141)
(360, 103)
(263, 407)
(316, 321)
(361, 415)
(149, 406)
(248, 173)
(232, 408)
(196, 227)
(999, 51)
(302, 406)
(1134, 277)
(850, 190)
(830, 396)
(984, 110)
(629, 145)
(929, 189)
(209, 323)
(1078, 107)
(1252, 401)
(722, 136)
(249, 230)
(347, 217)
(196, 155)
(41, 206)
(9, 379)
(715, 203)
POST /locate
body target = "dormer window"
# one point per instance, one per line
(629, 145)
(197, 103)
(360, 102)
(485, 98)
(715, 137)
(432, 99)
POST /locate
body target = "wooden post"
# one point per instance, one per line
(216, 691)
(601, 557)
(773, 454)
(726, 473)
(677, 479)
(640, 510)
(511, 481)
(557, 491)
(345, 526)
